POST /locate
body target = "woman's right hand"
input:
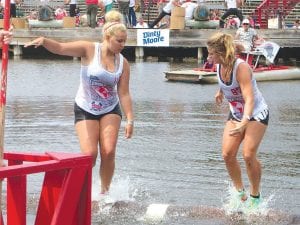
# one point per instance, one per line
(219, 97)
(36, 42)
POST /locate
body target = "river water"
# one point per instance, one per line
(174, 157)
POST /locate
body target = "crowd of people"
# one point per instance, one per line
(132, 11)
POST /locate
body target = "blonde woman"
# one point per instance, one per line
(102, 92)
(248, 117)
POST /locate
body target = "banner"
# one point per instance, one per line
(153, 37)
(269, 50)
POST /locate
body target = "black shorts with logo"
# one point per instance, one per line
(81, 114)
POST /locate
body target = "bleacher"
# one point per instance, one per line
(149, 7)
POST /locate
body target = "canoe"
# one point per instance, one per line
(274, 73)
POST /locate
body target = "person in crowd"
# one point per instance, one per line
(72, 8)
(166, 11)
(77, 16)
(92, 7)
(13, 7)
(246, 35)
(248, 116)
(103, 91)
(232, 9)
(251, 21)
(141, 23)
(123, 6)
(132, 15)
(60, 13)
(166, 20)
(296, 24)
(108, 5)
(233, 22)
(33, 15)
(189, 9)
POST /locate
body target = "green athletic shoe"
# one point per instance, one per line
(242, 195)
(236, 202)
(254, 203)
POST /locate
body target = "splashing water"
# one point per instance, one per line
(233, 206)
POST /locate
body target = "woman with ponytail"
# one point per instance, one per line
(248, 117)
(103, 91)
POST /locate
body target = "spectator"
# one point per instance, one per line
(232, 22)
(77, 16)
(108, 5)
(132, 16)
(60, 13)
(189, 9)
(141, 23)
(296, 24)
(160, 5)
(13, 8)
(166, 11)
(232, 9)
(246, 35)
(123, 6)
(251, 21)
(72, 7)
(91, 12)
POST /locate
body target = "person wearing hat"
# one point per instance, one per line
(232, 9)
(246, 35)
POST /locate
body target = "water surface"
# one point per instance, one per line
(174, 157)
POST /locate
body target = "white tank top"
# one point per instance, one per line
(233, 94)
(97, 92)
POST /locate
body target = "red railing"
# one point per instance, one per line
(66, 191)
(272, 9)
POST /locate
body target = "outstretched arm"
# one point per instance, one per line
(75, 49)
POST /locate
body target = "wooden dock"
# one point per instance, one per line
(288, 39)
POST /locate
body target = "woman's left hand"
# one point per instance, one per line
(128, 130)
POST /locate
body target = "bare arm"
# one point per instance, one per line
(125, 99)
(81, 49)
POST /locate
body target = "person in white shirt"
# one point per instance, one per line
(189, 9)
(246, 35)
(296, 24)
(232, 9)
(166, 11)
(141, 23)
(132, 15)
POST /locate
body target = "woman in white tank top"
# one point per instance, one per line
(104, 83)
(247, 121)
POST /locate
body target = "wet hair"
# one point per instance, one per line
(222, 44)
(113, 23)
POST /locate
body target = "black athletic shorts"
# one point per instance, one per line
(81, 114)
(263, 117)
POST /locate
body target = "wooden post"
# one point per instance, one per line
(139, 52)
(200, 54)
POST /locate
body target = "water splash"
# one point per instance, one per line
(239, 210)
